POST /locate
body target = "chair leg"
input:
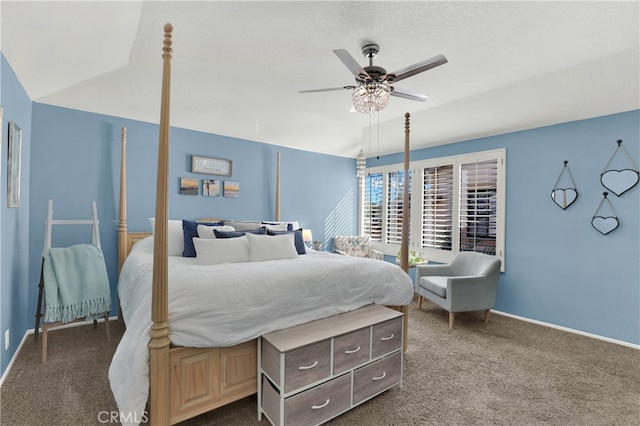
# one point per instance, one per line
(419, 302)
(486, 315)
(451, 317)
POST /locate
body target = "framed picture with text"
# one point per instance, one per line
(212, 166)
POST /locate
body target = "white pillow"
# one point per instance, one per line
(221, 250)
(267, 247)
(278, 227)
(206, 231)
(175, 238)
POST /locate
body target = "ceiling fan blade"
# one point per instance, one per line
(332, 89)
(416, 68)
(406, 94)
(351, 63)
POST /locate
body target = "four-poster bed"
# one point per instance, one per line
(185, 381)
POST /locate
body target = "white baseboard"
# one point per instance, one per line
(569, 330)
(32, 331)
(13, 358)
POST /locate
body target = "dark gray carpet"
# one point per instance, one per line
(507, 372)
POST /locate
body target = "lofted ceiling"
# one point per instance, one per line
(238, 65)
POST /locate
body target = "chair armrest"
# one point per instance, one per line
(472, 292)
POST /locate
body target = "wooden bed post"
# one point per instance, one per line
(406, 214)
(159, 344)
(122, 215)
(122, 222)
(406, 219)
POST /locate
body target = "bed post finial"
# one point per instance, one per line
(159, 375)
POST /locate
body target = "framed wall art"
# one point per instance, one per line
(188, 186)
(212, 166)
(13, 165)
(210, 188)
(231, 189)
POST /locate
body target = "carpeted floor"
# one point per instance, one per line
(507, 372)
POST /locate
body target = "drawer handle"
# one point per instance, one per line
(388, 338)
(307, 367)
(381, 377)
(353, 351)
(317, 407)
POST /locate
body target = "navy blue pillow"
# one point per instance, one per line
(190, 230)
(235, 234)
(297, 239)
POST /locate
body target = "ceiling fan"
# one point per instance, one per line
(373, 83)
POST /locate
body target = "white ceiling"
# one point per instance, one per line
(237, 66)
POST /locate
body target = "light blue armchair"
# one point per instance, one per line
(468, 283)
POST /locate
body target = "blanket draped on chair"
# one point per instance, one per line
(76, 284)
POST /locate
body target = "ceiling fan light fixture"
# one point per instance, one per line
(371, 97)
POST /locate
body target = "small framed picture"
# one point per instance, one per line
(188, 186)
(212, 166)
(13, 165)
(211, 188)
(231, 188)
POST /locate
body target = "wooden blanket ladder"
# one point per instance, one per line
(95, 240)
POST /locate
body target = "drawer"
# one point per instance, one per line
(319, 404)
(376, 377)
(351, 350)
(307, 365)
(386, 336)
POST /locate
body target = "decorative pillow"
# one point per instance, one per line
(297, 239)
(175, 240)
(235, 234)
(205, 231)
(190, 230)
(239, 225)
(274, 226)
(221, 250)
(277, 247)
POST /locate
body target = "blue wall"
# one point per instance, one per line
(14, 222)
(559, 269)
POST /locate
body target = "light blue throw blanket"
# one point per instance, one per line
(76, 284)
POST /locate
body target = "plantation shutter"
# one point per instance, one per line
(437, 211)
(373, 206)
(477, 209)
(395, 209)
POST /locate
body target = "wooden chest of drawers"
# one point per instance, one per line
(311, 373)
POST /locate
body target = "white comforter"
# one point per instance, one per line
(227, 304)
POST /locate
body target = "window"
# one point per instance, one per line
(460, 206)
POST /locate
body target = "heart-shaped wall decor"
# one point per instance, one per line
(564, 197)
(604, 225)
(619, 181)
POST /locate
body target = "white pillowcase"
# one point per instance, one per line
(278, 227)
(221, 250)
(267, 247)
(206, 231)
(175, 238)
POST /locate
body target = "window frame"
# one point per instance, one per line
(417, 203)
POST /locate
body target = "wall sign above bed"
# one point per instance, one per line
(212, 166)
